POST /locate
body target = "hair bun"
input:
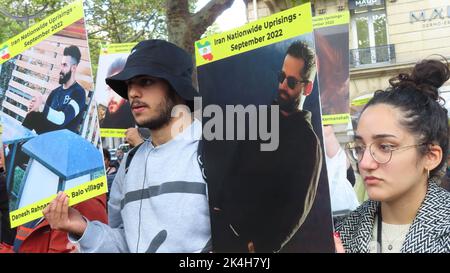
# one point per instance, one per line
(427, 76)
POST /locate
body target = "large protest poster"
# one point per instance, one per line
(262, 159)
(331, 33)
(114, 111)
(49, 116)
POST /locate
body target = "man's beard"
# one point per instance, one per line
(63, 78)
(288, 105)
(164, 116)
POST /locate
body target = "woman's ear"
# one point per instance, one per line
(433, 157)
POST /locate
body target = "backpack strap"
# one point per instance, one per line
(130, 157)
(200, 158)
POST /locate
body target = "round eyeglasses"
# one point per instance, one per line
(380, 152)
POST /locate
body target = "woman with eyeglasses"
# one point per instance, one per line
(401, 146)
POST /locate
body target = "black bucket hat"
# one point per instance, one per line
(160, 59)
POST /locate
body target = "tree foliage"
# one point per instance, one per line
(17, 16)
(185, 27)
(121, 21)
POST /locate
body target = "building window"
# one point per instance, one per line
(369, 33)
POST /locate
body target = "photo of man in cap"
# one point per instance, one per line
(158, 200)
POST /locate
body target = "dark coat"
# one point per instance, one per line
(262, 196)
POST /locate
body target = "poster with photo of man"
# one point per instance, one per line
(114, 111)
(262, 148)
(117, 125)
(331, 33)
(49, 116)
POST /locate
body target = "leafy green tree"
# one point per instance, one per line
(121, 21)
(185, 27)
(17, 16)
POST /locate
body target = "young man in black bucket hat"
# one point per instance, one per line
(158, 200)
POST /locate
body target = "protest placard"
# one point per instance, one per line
(262, 148)
(49, 117)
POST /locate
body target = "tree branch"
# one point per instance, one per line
(113, 18)
(142, 31)
(23, 18)
(208, 14)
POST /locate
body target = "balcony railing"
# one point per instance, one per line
(372, 55)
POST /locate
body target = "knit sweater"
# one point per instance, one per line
(429, 232)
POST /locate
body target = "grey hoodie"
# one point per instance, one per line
(160, 205)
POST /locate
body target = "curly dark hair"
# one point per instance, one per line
(417, 96)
